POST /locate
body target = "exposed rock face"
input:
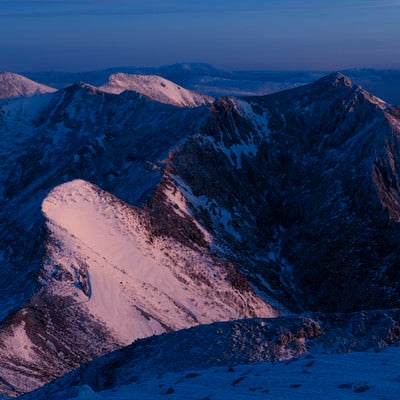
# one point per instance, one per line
(47, 338)
(302, 187)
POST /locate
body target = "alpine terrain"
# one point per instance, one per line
(14, 85)
(156, 88)
(252, 229)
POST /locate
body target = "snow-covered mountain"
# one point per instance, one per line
(108, 279)
(115, 141)
(207, 79)
(120, 142)
(156, 88)
(14, 85)
(259, 206)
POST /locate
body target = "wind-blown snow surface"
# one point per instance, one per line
(156, 88)
(367, 375)
(14, 85)
(136, 284)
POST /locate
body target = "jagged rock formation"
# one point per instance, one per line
(301, 189)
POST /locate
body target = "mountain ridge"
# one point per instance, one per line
(13, 85)
(216, 82)
(290, 200)
(321, 118)
(156, 88)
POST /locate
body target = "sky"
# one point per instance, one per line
(79, 35)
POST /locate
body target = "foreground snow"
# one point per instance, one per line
(366, 375)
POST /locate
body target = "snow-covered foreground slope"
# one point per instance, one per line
(156, 88)
(290, 352)
(367, 375)
(14, 85)
(136, 284)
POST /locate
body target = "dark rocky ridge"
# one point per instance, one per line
(322, 192)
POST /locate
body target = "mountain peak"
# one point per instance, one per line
(336, 79)
(15, 85)
(82, 87)
(156, 88)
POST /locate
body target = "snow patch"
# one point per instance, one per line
(180, 195)
(19, 343)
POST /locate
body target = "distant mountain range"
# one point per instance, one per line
(136, 207)
(213, 81)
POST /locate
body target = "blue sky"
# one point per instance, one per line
(73, 35)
